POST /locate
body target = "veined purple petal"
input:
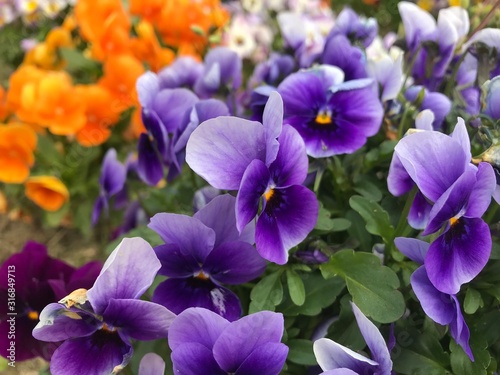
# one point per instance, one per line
(184, 71)
(331, 356)
(171, 104)
(190, 234)
(158, 134)
(291, 164)
(267, 359)
(128, 272)
(219, 214)
(438, 306)
(272, 120)
(195, 359)
(149, 167)
(375, 341)
(244, 336)
(58, 324)
(289, 215)
(113, 174)
(482, 191)
(178, 295)
(419, 211)
(433, 160)
(220, 150)
(196, 325)
(234, 262)
(459, 254)
(174, 262)
(254, 184)
(460, 135)
(412, 248)
(99, 354)
(152, 364)
(141, 320)
(460, 331)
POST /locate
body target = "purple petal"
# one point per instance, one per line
(418, 23)
(128, 272)
(58, 324)
(420, 209)
(141, 320)
(399, 181)
(339, 371)
(460, 331)
(100, 204)
(194, 359)
(219, 214)
(190, 234)
(272, 120)
(113, 173)
(287, 219)
(339, 52)
(412, 248)
(482, 191)
(151, 364)
(99, 353)
(204, 196)
(184, 71)
(234, 262)
(84, 277)
(178, 295)
(242, 337)
(374, 340)
(171, 104)
(425, 120)
(462, 137)
(433, 160)
(331, 356)
(438, 306)
(220, 150)
(291, 164)
(176, 263)
(459, 254)
(196, 325)
(254, 184)
(148, 86)
(267, 359)
(149, 166)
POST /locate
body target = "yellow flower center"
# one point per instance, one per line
(106, 328)
(324, 118)
(268, 194)
(453, 221)
(33, 315)
(202, 276)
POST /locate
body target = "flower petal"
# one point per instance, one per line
(220, 150)
(149, 167)
(113, 173)
(459, 254)
(412, 248)
(152, 364)
(128, 272)
(420, 209)
(482, 191)
(174, 262)
(267, 359)
(194, 359)
(272, 120)
(460, 331)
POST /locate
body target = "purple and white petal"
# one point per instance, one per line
(171, 104)
(482, 191)
(127, 273)
(148, 86)
(151, 364)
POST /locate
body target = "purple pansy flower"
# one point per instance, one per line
(203, 342)
(332, 117)
(39, 280)
(438, 103)
(492, 101)
(183, 72)
(341, 53)
(267, 163)
(111, 181)
(336, 359)
(460, 192)
(441, 307)
(271, 71)
(162, 113)
(202, 252)
(97, 325)
(357, 29)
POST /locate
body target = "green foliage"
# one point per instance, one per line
(267, 293)
(376, 218)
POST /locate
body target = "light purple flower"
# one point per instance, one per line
(201, 253)
(357, 29)
(183, 72)
(203, 342)
(267, 163)
(336, 359)
(438, 103)
(492, 100)
(441, 307)
(97, 325)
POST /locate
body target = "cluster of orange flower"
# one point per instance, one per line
(43, 97)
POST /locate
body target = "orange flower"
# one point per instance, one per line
(147, 48)
(4, 109)
(24, 75)
(17, 144)
(100, 115)
(146, 9)
(48, 192)
(55, 103)
(120, 74)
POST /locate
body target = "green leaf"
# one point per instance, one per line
(368, 190)
(301, 352)
(472, 301)
(76, 61)
(373, 287)
(326, 224)
(461, 363)
(267, 293)
(376, 218)
(148, 234)
(345, 330)
(315, 297)
(419, 353)
(295, 287)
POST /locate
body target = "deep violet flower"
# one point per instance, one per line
(203, 342)
(97, 325)
(39, 280)
(201, 253)
(357, 28)
(267, 163)
(340, 52)
(441, 307)
(335, 359)
(332, 117)
(111, 182)
(439, 165)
